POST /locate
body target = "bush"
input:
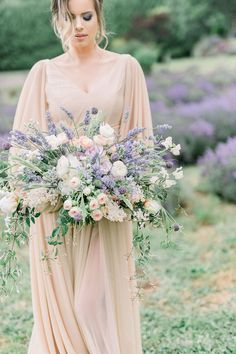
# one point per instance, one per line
(146, 55)
(219, 170)
(34, 38)
(214, 45)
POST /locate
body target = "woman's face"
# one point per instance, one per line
(85, 22)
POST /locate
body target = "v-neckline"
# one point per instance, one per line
(76, 84)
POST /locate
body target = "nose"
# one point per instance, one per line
(78, 24)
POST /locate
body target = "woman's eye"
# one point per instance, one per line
(87, 17)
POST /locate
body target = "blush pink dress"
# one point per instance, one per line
(85, 301)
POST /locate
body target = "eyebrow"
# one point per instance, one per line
(83, 13)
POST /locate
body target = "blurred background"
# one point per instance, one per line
(187, 50)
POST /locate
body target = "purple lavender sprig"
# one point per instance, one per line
(69, 114)
(51, 125)
(71, 117)
(87, 118)
(67, 131)
(133, 132)
(20, 138)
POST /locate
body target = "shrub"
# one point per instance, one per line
(214, 45)
(146, 55)
(34, 38)
(219, 169)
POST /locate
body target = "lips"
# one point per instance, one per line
(80, 35)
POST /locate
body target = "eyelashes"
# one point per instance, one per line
(86, 17)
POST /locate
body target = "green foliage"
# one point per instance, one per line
(174, 25)
(119, 14)
(189, 21)
(26, 34)
(146, 55)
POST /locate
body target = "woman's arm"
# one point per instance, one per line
(136, 111)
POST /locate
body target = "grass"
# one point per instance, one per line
(204, 65)
(192, 309)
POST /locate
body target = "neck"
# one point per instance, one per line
(80, 54)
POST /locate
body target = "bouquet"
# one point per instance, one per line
(85, 172)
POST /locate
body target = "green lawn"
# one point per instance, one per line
(193, 307)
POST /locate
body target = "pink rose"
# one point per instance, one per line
(85, 142)
(93, 204)
(97, 215)
(74, 212)
(102, 198)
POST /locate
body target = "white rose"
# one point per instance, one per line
(74, 162)
(169, 183)
(106, 130)
(101, 140)
(62, 139)
(64, 188)
(74, 182)
(62, 166)
(8, 204)
(67, 204)
(178, 173)
(87, 190)
(176, 150)
(167, 142)
(119, 169)
(152, 206)
(52, 141)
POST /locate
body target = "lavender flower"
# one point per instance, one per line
(122, 190)
(69, 114)
(108, 181)
(5, 143)
(178, 92)
(94, 110)
(87, 118)
(51, 125)
(35, 140)
(20, 138)
(202, 128)
(134, 132)
(41, 138)
(31, 176)
(67, 131)
(78, 217)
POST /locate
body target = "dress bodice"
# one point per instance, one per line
(121, 94)
(107, 94)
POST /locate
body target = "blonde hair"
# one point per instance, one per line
(62, 22)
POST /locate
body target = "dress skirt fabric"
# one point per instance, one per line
(85, 301)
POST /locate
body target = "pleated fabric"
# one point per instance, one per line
(85, 301)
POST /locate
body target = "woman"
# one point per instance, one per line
(87, 302)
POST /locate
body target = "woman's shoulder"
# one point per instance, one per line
(38, 65)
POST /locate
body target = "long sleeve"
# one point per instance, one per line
(32, 101)
(136, 111)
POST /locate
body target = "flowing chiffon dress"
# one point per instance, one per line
(85, 302)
